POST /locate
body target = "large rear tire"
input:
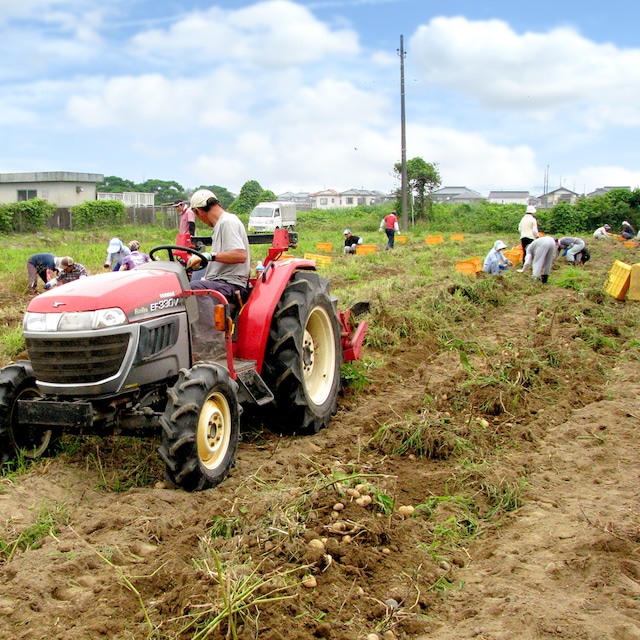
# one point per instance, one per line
(303, 357)
(18, 382)
(200, 427)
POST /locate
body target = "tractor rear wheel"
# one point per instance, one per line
(18, 382)
(200, 427)
(303, 357)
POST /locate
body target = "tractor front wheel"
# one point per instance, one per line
(200, 427)
(18, 382)
(303, 357)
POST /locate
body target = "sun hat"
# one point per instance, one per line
(607, 227)
(115, 245)
(499, 245)
(347, 232)
(531, 209)
(178, 203)
(200, 197)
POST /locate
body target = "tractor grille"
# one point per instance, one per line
(153, 341)
(77, 360)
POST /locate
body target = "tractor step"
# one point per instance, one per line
(253, 387)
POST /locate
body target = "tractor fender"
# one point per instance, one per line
(254, 321)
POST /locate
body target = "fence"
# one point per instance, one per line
(165, 217)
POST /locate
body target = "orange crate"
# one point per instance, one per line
(630, 244)
(617, 283)
(470, 267)
(433, 240)
(457, 237)
(401, 239)
(365, 249)
(324, 246)
(514, 255)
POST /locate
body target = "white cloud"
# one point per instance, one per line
(271, 34)
(561, 69)
(589, 178)
(469, 159)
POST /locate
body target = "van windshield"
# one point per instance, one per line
(262, 212)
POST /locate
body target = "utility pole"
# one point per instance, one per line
(403, 218)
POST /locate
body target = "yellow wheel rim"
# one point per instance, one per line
(318, 356)
(214, 430)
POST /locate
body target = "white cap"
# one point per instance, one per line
(115, 245)
(347, 232)
(200, 197)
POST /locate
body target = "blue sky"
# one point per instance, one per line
(305, 95)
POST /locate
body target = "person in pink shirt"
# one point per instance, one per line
(187, 218)
(390, 225)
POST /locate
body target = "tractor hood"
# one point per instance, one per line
(139, 293)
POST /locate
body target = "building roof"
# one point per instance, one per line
(50, 176)
(508, 194)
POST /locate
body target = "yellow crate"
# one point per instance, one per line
(634, 283)
(470, 267)
(513, 255)
(457, 237)
(630, 244)
(327, 247)
(365, 249)
(321, 261)
(433, 240)
(617, 283)
(401, 239)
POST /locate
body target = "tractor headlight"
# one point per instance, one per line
(74, 321)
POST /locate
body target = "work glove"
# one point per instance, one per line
(107, 265)
(52, 283)
(194, 260)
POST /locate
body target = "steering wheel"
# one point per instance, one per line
(170, 248)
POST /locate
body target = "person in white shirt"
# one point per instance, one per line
(602, 233)
(528, 228)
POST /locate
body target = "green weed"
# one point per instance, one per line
(50, 517)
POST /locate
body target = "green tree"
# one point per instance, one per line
(268, 196)
(224, 195)
(423, 179)
(248, 198)
(166, 191)
(114, 184)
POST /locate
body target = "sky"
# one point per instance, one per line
(306, 95)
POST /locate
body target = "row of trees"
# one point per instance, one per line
(168, 191)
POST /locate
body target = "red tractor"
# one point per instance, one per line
(119, 353)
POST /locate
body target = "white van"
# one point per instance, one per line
(268, 216)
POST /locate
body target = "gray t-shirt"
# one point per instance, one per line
(228, 234)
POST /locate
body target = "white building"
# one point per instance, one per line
(62, 188)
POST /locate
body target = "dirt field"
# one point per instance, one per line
(523, 474)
